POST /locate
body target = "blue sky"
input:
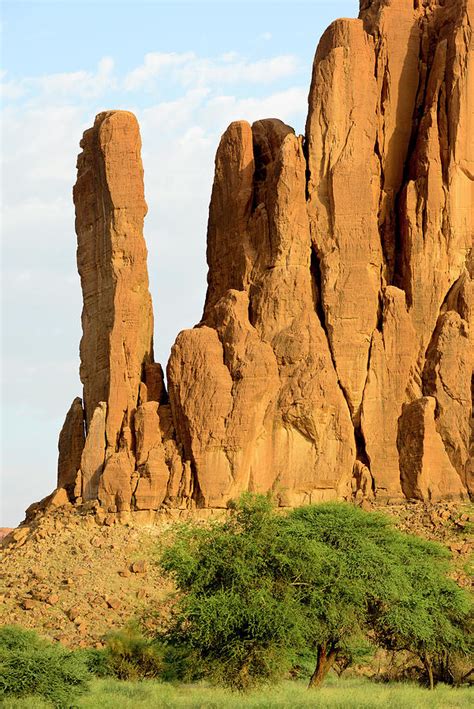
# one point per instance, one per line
(47, 37)
(186, 69)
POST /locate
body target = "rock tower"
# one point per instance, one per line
(334, 357)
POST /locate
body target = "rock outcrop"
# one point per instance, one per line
(117, 318)
(260, 352)
(334, 357)
(71, 446)
(117, 369)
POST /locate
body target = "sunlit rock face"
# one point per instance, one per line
(334, 357)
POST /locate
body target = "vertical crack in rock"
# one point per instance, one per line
(315, 270)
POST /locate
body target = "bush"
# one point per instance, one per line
(97, 662)
(30, 666)
(12, 637)
(128, 655)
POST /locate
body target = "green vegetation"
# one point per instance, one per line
(336, 694)
(270, 598)
(128, 655)
(263, 592)
(32, 666)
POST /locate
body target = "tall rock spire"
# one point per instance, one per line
(117, 317)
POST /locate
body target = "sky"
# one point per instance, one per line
(186, 69)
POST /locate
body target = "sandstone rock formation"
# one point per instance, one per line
(270, 423)
(117, 317)
(117, 368)
(334, 357)
(71, 446)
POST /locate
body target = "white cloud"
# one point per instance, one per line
(170, 115)
(153, 65)
(265, 71)
(285, 105)
(11, 89)
(181, 69)
(229, 56)
(266, 36)
(191, 70)
(77, 84)
(80, 83)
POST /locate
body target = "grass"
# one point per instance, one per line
(336, 694)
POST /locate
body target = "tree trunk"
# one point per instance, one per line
(429, 670)
(323, 665)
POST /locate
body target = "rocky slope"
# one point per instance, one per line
(74, 578)
(334, 357)
(75, 581)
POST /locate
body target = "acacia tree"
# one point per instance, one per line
(262, 590)
(390, 587)
(238, 619)
(431, 617)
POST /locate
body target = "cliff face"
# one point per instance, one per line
(334, 357)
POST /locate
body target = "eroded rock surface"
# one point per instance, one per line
(71, 445)
(117, 367)
(268, 421)
(422, 452)
(117, 318)
(334, 356)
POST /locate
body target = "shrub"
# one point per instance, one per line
(30, 666)
(12, 637)
(97, 662)
(128, 655)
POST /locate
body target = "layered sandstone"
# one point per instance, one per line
(334, 356)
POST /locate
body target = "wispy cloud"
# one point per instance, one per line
(186, 70)
(154, 64)
(189, 69)
(264, 71)
(76, 84)
(80, 83)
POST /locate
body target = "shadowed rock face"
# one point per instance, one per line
(334, 356)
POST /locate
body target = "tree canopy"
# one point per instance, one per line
(263, 590)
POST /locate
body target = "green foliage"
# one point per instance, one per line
(347, 693)
(30, 666)
(262, 590)
(96, 661)
(12, 637)
(431, 615)
(236, 619)
(128, 655)
(398, 585)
